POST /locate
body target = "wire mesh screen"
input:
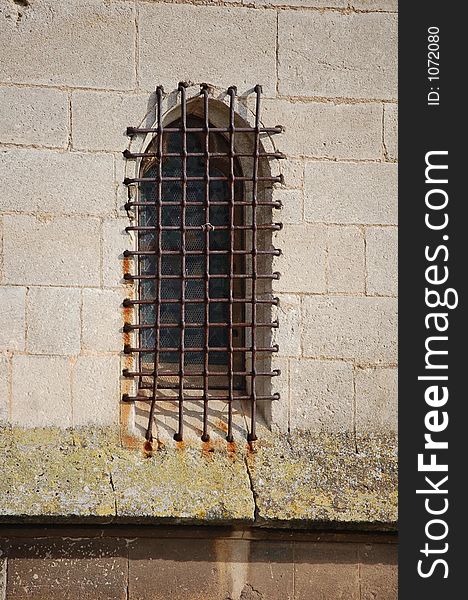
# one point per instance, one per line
(200, 234)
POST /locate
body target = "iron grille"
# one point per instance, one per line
(201, 238)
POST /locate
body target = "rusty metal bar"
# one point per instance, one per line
(129, 327)
(130, 349)
(138, 398)
(180, 264)
(271, 130)
(130, 302)
(132, 155)
(132, 180)
(157, 300)
(274, 373)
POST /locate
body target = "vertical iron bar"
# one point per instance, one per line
(205, 435)
(232, 93)
(183, 98)
(252, 435)
(157, 300)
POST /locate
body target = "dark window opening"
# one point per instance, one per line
(202, 264)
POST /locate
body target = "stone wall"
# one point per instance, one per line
(75, 74)
(194, 564)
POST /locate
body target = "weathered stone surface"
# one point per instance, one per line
(322, 479)
(292, 211)
(114, 240)
(376, 399)
(33, 116)
(155, 570)
(332, 55)
(185, 483)
(67, 569)
(12, 318)
(299, 480)
(53, 317)
(51, 251)
(345, 255)
(299, 3)
(102, 320)
(293, 172)
(322, 399)
(100, 119)
(382, 260)
(95, 390)
(386, 5)
(41, 395)
(363, 329)
(3, 577)
(391, 130)
(351, 193)
(186, 56)
(302, 266)
(326, 571)
(56, 482)
(379, 571)
(326, 130)
(67, 37)
(288, 334)
(58, 182)
(271, 571)
(5, 382)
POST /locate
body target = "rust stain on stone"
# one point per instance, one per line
(207, 449)
(222, 425)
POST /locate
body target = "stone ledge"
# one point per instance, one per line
(302, 481)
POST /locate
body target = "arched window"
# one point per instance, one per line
(200, 242)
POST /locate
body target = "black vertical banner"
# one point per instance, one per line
(433, 272)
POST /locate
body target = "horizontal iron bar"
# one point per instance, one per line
(130, 302)
(274, 373)
(276, 129)
(202, 276)
(130, 253)
(128, 154)
(150, 228)
(130, 350)
(187, 398)
(182, 179)
(129, 205)
(129, 327)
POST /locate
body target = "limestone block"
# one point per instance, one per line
(51, 251)
(391, 130)
(53, 318)
(12, 318)
(345, 254)
(337, 55)
(81, 43)
(31, 115)
(242, 52)
(302, 263)
(376, 399)
(100, 119)
(382, 260)
(363, 329)
(41, 395)
(102, 320)
(5, 377)
(95, 390)
(57, 182)
(321, 395)
(326, 130)
(351, 193)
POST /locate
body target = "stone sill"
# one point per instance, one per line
(307, 481)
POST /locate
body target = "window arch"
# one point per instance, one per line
(202, 262)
